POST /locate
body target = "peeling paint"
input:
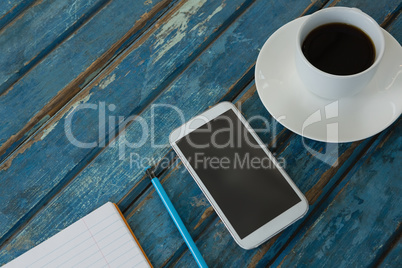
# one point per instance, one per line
(218, 235)
(261, 252)
(41, 122)
(201, 26)
(199, 202)
(73, 10)
(317, 221)
(107, 81)
(48, 130)
(177, 25)
(72, 108)
(6, 91)
(208, 212)
(218, 9)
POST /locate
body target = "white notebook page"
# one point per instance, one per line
(100, 239)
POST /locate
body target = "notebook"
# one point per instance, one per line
(100, 239)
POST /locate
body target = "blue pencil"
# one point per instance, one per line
(176, 218)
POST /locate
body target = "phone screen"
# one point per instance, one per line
(239, 175)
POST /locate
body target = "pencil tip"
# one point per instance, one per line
(150, 173)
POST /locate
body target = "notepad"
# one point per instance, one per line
(100, 239)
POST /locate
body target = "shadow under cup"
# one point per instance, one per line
(328, 85)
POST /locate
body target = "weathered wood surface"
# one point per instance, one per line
(361, 215)
(51, 83)
(10, 9)
(196, 55)
(68, 160)
(20, 54)
(393, 258)
(52, 173)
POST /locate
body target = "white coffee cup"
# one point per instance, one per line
(328, 85)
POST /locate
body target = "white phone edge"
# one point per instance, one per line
(269, 229)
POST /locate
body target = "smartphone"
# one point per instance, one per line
(249, 190)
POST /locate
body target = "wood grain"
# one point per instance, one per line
(50, 183)
(177, 94)
(317, 192)
(395, 26)
(28, 39)
(364, 213)
(61, 75)
(59, 172)
(384, 8)
(11, 9)
(393, 257)
(395, 32)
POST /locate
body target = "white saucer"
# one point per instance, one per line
(282, 92)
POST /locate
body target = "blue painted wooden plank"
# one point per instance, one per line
(38, 31)
(212, 243)
(10, 9)
(58, 77)
(386, 8)
(394, 257)
(363, 215)
(395, 28)
(7, 6)
(42, 75)
(127, 88)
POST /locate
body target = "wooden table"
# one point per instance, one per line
(80, 82)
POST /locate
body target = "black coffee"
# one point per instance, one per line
(339, 49)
